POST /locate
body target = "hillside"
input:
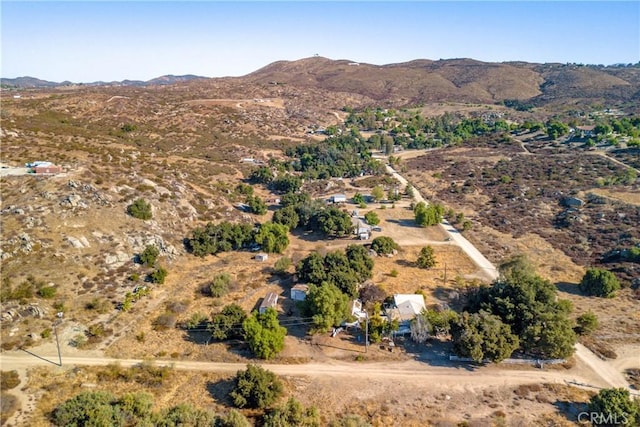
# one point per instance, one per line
(425, 81)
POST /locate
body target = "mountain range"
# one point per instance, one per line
(424, 81)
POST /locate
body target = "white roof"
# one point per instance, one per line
(409, 304)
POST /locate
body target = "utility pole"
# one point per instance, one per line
(366, 333)
(444, 282)
(55, 331)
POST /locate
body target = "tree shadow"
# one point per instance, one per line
(436, 353)
(569, 288)
(405, 263)
(219, 391)
(198, 336)
(570, 410)
(404, 223)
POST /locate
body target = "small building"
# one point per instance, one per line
(269, 301)
(37, 163)
(355, 308)
(339, 198)
(299, 292)
(360, 229)
(261, 257)
(47, 170)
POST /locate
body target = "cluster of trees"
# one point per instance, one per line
(334, 281)
(346, 270)
(101, 408)
(410, 129)
(345, 155)
(428, 215)
(300, 211)
(614, 406)
(261, 331)
(520, 310)
(224, 237)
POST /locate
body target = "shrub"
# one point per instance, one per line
(292, 414)
(47, 292)
(158, 275)
(9, 380)
(220, 285)
(426, 259)
(149, 256)
(255, 387)
(586, 323)
(165, 321)
(598, 282)
(140, 209)
(372, 218)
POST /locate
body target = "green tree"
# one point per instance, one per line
(287, 216)
(292, 414)
(287, 184)
(358, 198)
(334, 222)
(483, 336)
(372, 218)
(256, 205)
(255, 387)
(586, 323)
(272, 237)
(360, 261)
(556, 129)
(140, 209)
(262, 175)
(90, 408)
(311, 269)
(377, 193)
(228, 323)
(264, 334)
(384, 245)
(529, 305)
(327, 306)
(158, 275)
(599, 282)
(149, 256)
(428, 215)
(614, 406)
(427, 258)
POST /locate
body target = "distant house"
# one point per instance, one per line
(299, 292)
(585, 131)
(37, 163)
(47, 170)
(339, 198)
(261, 257)
(269, 301)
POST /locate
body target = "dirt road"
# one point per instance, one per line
(410, 370)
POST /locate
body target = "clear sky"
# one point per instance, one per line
(90, 41)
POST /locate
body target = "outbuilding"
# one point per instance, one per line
(269, 301)
(299, 292)
(261, 257)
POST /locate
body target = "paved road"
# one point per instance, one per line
(487, 269)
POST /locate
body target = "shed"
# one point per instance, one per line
(299, 292)
(269, 301)
(356, 309)
(261, 257)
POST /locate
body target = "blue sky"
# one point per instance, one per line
(90, 41)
